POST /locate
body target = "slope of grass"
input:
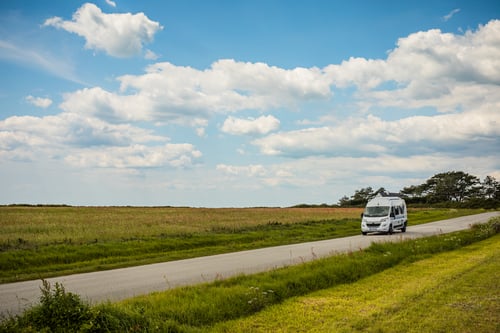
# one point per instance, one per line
(456, 291)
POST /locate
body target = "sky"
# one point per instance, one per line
(226, 103)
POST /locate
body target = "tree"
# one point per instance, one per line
(491, 188)
(344, 201)
(456, 186)
(361, 196)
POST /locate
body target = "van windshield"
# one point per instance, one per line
(377, 211)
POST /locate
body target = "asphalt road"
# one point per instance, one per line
(123, 283)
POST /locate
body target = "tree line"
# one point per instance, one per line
(448, 189)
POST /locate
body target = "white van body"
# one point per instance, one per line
(384, 214)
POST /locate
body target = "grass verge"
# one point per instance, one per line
(41, 242)
(450, 292)
(210, 306)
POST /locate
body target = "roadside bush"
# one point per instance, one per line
(58, 311)
(62, 311)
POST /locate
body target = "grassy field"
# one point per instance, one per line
(456, 291)
(38, 242)
(444, 283)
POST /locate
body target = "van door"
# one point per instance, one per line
(396, 217)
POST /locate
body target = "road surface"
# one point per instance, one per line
(118, 284)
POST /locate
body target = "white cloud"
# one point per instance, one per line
(111, 3)
(246, 170)
(135, 156)
(90, 142)
(374, 136)
(70, 129)
(428, 56)
(39, 101)
(458, 75)
(448, 16)
(184, 95)
(250, 126)
(119, 35)
(316, 176)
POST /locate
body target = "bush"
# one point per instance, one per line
(61, 311)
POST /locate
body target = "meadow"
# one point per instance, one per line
(43, 241)
(443, 283)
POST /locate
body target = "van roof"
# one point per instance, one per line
(382, 200)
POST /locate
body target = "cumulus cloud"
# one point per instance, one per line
(111, 3)
(39, 101)
(90, 142)
(119, 35)
(372, 136)
(250, 126)
(178, 94)
(69, 129)
(428, 58)
(457, 77)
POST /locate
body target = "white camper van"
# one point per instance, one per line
(384, 214)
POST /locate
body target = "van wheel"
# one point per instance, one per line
(390, 230)
(364, 233)
(403, 229)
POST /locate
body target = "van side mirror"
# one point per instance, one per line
(392, 214)
(362, 215)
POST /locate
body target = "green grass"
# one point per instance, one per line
(455, 291)
(40, 242)
(444, 283)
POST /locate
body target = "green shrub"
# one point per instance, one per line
(62, 311)
(59, 311)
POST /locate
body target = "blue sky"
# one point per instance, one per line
(243, 103)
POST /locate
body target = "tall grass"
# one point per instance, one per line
(48, 241)
(237, 297)
(192, 309)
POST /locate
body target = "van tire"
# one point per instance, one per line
(403, 229)
(363, 233)
(390, 231)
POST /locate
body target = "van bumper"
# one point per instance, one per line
(375, 227)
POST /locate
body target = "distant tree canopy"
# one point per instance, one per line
(453, 188)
